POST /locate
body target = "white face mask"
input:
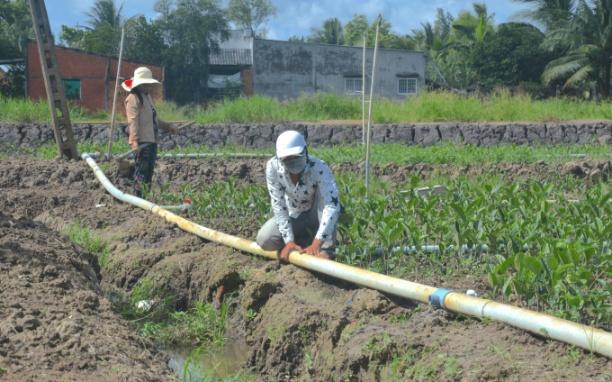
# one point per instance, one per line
(295, 165)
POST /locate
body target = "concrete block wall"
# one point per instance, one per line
(263, 135)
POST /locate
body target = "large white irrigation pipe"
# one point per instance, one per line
(586, 337)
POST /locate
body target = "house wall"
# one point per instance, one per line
(284, 69)
(96, 72)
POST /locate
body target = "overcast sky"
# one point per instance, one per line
(298, 17)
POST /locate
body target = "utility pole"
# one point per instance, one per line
(58, 106)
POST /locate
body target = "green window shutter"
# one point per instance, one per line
(73, 89)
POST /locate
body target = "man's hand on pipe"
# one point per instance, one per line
(313, 249)
(283, 256)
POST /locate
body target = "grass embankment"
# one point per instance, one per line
(426, 107)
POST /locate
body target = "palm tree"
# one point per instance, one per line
(330, 33)
(434, 37)
(434, 41)
(105, 13)
(104, 26)
(582, 30)
(468, 34)
(474, 28)
(549, 13)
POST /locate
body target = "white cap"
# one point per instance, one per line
(290, 143)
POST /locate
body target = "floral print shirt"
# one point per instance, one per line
(290, 200)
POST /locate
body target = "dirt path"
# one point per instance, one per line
(253, 170)
(297, 325)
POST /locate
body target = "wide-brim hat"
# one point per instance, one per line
(142, 75)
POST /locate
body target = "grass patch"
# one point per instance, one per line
(158, 320)
(448, 153)
(200, 325)
(426, 107)
(82, 236)
(442, 153)
(49, 150)
(424, 365)
(25, 111)
(381, 154)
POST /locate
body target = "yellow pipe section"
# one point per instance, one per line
(586, 337)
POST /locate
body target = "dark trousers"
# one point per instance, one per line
(145, 164)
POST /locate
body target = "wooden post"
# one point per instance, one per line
(117, 79)
(54, 86)
(363, 95)
(369, 129)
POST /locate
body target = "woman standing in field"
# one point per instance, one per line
(143, 125)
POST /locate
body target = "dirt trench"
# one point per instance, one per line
(297, 325)
(55, 323)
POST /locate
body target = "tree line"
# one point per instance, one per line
(562, 47)
(181, 37)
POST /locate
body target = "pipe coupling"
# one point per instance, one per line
(437, 298)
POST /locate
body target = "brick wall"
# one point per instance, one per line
(96, 73)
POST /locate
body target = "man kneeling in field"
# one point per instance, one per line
(304, 199)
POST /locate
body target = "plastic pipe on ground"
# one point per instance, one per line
(179, 207)
(433, 248)
(423, 191)
(213, 155)
(586, 337)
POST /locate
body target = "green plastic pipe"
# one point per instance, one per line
(586, 337)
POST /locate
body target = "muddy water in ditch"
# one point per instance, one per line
(198, 364)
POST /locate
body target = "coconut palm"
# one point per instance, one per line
(469, 32)
(102, 32)
(549, 13)
(330, 33)
(105, 13)
(433, 40)
(582, 30)
(474, 28)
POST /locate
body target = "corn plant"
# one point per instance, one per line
(554, 257)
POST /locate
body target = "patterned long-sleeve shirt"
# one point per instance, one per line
(316, 184)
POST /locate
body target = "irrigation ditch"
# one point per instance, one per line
(281, 322)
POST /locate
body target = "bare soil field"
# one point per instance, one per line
(57, 322)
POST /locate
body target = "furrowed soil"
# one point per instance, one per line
(56, 322)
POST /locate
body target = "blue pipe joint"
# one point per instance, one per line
(437, 298)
